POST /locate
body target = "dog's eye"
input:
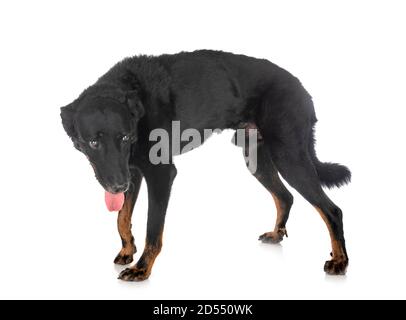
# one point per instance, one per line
(125, 138)
(94, 144)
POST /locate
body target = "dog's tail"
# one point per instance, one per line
(330, 174)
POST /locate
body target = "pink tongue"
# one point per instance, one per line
(114, 202)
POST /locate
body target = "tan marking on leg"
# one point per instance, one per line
(277, 234)
(337, 249)
(151, 253)
(279, 217)
(124, 226)
(148, 259)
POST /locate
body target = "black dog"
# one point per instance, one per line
(111, 122)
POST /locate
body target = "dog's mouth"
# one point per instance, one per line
(114, 197)
(114, 201)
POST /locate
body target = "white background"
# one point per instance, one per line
(57, 240)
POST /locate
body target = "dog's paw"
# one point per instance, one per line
(125, 256)
(273, 237)
(123, 259)
(336, 266)
(134, 274)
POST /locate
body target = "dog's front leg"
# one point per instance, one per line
(128, 250)
(159, 180)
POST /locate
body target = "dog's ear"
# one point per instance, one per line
(67, 115)
(135, 104)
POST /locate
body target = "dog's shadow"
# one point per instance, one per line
(335, 279)
(275, 248)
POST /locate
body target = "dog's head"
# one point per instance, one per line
(102, 124)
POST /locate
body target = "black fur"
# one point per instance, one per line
(330, 174)
(203, 90)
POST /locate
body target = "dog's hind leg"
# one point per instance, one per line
(267, 175)
(128, 250)
(286, 119)
(290, 154)
(300, 173)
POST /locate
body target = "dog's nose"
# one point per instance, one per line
(120, 188)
